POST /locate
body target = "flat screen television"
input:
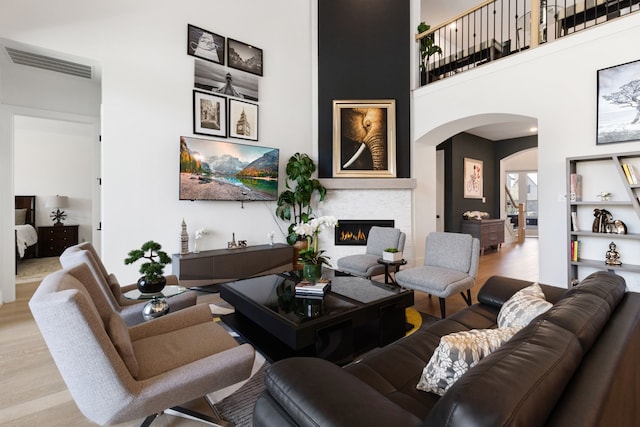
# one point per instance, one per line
(222, 170)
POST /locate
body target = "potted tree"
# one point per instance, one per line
(153, 280)
(294, 204)
(428, 47)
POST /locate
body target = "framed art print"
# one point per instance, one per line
(205, 44)
(364, 138)
(243, 120)
(473, 174)
(209, 114)
(619, 103)
(244, 57)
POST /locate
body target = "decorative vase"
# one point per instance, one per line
(298, 246)
(151, 287)
(312, 272)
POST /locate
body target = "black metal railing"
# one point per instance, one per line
(497, 28)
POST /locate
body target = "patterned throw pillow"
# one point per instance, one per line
(523, 307)
(457, 353)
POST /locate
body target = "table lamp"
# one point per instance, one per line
(57, 202)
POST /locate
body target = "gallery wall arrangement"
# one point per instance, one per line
(225, 105)
(225, 98)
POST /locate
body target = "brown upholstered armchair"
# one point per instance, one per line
(117, 374)
(130, 310)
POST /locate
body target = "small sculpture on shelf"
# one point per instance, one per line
(184, 239)
(232, 244)
(612, 255)
(604, 196)
(604, 223)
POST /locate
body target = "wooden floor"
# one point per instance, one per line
(33, 393)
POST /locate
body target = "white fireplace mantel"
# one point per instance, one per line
(368, 183)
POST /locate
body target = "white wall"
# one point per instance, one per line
(147, 83)
(555, 83)
(56, 157)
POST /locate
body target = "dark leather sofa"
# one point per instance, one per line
(578, 364)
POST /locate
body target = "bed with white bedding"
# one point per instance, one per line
(25, 227)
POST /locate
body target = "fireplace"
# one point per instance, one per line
(354, 232)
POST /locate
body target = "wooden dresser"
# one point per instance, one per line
(53, 240)
(490, 232)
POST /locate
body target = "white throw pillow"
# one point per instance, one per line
(457, 353)
(523, 307)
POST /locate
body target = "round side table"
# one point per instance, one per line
(158, 304)
(387, 274)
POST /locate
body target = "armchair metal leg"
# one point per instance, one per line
(147, 421)
(180, 411)
(443, 311)
(467, 298)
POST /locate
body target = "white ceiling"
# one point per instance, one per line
(435, 12)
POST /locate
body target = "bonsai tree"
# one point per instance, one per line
(152, 270)
(428, 46)
(294, 204)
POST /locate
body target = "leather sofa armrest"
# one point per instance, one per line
(312, 391)
(498, 289)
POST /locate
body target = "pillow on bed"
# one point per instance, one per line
(21, 216)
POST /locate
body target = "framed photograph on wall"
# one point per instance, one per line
(364, 138)
(473, 179)
(619, 103)
(243, 120)
(209, 114)
(244, 57)
(205, 44)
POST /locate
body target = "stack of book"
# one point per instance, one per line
(308, 289)
(630, 173)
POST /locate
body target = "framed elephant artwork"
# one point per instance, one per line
(364, 138)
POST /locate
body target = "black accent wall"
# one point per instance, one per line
(490, 152)
(364, 53)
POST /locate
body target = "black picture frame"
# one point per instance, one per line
(618, 104)
(205, 44)
(209, 114)
(244, 57)
(243, 120)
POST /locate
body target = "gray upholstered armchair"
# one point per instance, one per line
(450, 266)
(130, 310)
(117, 374)
(366, 265)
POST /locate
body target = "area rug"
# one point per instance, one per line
(35, 269)
(237, 406)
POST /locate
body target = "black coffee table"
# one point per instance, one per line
(355, 316)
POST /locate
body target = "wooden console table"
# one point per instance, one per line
(224, 265)
(490, 232)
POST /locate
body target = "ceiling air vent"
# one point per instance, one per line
(49, 63)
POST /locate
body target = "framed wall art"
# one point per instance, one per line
(205, 44)
(619, 103)
(243, 120)
(364, 138)
(244, 57)
(209, 114)
(473, 179)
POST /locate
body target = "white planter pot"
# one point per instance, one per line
(392, 256)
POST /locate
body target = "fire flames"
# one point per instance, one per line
(349, 235)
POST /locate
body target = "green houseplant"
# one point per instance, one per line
(153, 280)
(294, 204)
(428, 47)
(392, 254)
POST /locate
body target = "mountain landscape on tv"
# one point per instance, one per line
(219, 170)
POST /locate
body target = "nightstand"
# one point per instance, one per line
(53, 240)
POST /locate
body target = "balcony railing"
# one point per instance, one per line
(498, 28)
